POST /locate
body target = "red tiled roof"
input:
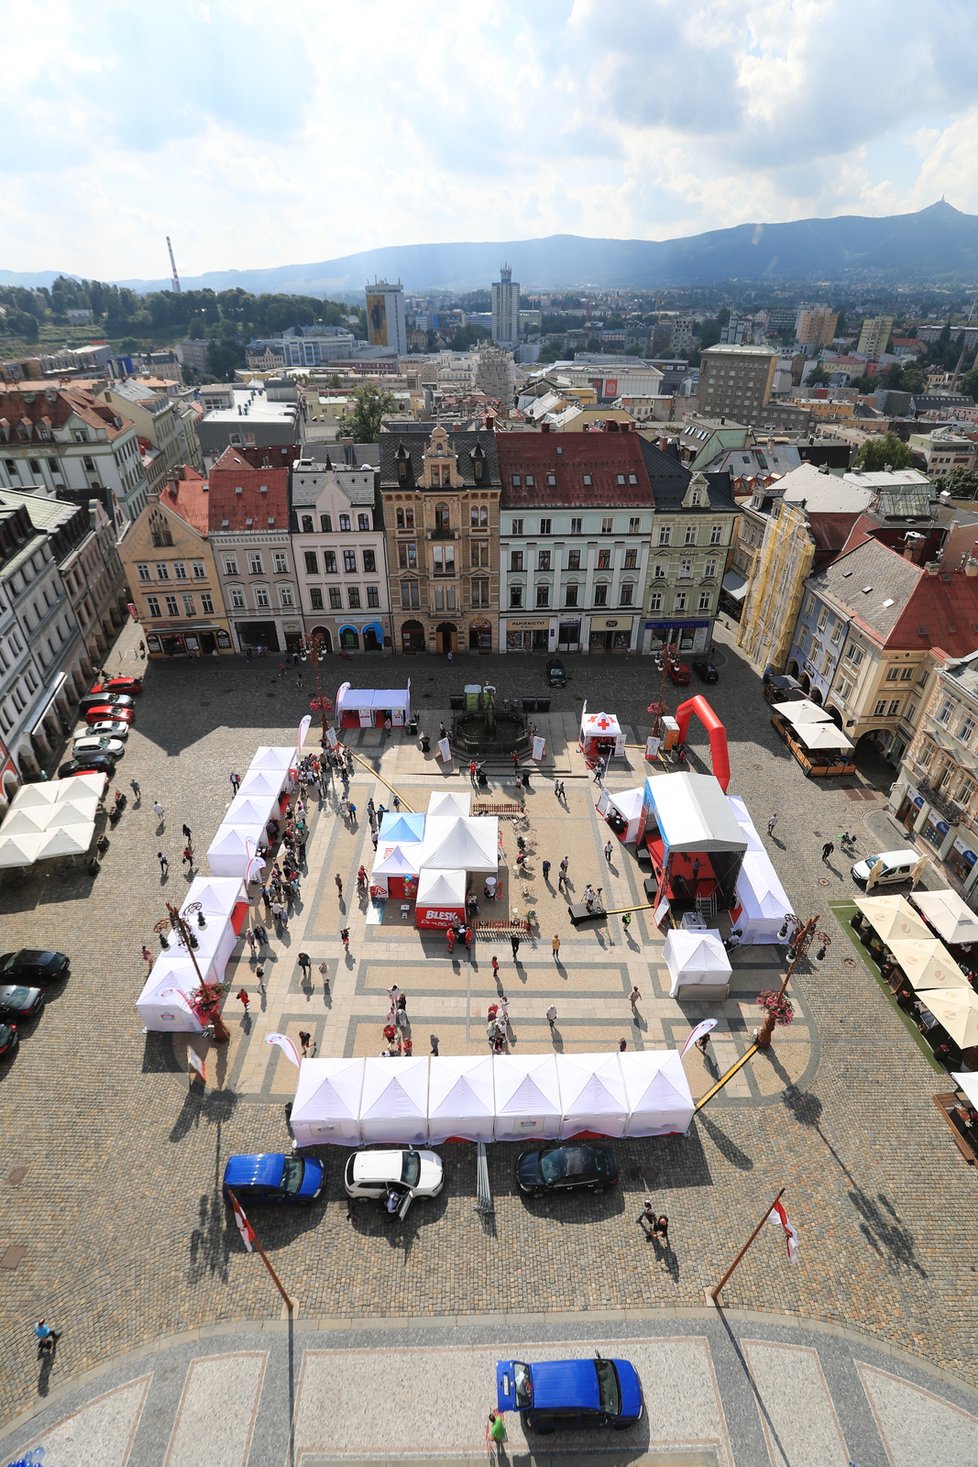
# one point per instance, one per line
(946, 604)
(35, 408)
(606, 458)
(232, 472)
(187, 497)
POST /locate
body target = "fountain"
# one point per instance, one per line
(487, 731)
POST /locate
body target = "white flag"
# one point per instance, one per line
(244, 1226)
(702, 1028)
(303, 730)
(285, 1045)
(779, 1217)
(195, 1062)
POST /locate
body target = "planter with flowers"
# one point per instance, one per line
(779, 1011)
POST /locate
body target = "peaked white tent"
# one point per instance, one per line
(440, 899)
(250, 812)
(461, 1098)
(20, 850)
(527, 1096)
(697, 961)
(327, 1101)
(659, 1101)
(762, 902)
(742, 816)
(159, 1006)
(450, 802)
(461, 843)
(29, 820)
(259, 784)
(271, 759)
(228, 854)
(35, 794)
(66, 840)
(949, 915)
(592, 1095)
(400, 860)
(394, 1100)
(623, 811)
(218, 895)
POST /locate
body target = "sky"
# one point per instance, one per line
(258, 134)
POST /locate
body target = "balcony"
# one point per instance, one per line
(443, 534)
(949, 810)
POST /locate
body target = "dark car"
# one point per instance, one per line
(562, 1168)
(570, 1394)
(273, 1176)
(678, 671)
(106, 700)
(556, 673)
(20, 1003)
(705, 671)
(9, 1039)
(32, 966)
(129, 685)
(87, 764)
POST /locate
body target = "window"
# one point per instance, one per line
(316, 599)
(704, 601)
(285, 596)
(604, 560)
(545, 527)
(945, 711)
(577, 525)
(171, 606)
(543, 596)
(373, 596)
(515, 597)
(516, 560)
(363, 522)
(207, 603)
(329, 562)
(626, 595)
(854, 654)
(407, 555)
(517, 527)
(444, 598)
(966, 730)
(517, 481)
(634, 524)
(620, 478)
(335, 599)
(573, 560)
(443, 558)
(685, 568)
(188, 606)
(879, 710)
(404, 519)
(410, 596)
(529, 481)
(370, 562)
(660, 570)
(689, 537)
(681, 601)
(665, 534)
(894, 708)
(344, 523)
(480, 592)
(479, 517)
(237, 598)
(571, 593)
(349, 562)
(543, 560)
(601, 594)
(312, 562)
(142, 571)
(353, 597)
(153, 605)
(845, 689)
(443, 519)
(710, 570)
(836, 631)
(479, 554)
(281, 563)
(655, 601)
(162, 570)
(906, 674)
(261, 596)
(179, 570)
(716, 534)
(587, 481)
(255, 564)
(197, 566)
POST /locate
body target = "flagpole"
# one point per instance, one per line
(264, 1258)
(714, 1293)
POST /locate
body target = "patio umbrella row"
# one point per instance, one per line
(928, 966)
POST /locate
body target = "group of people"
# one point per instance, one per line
(459, 932)
(397, 1030)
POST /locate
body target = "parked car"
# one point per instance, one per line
(570, 1394)
(394, 1176)
(109, 729)
(272, 1176)
(556, 673)
(87, 764)
(897, 866)
(107, 713)
(9, 1039)
(705, 670)
(129, 685)
(678, 671)
(572, 1165)
(112, 700)
(97, 744)
(33, 966)
(19, 1003)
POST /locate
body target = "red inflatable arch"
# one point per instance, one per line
(716, 731)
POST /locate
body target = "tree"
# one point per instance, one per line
(362, 421)
(818, 377)
(885, 452)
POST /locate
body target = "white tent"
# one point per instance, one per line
(30, 820)
(659, 1101)
(742, 816)
(762, 903)
(692, 813)
(228, 854)
(804, 711)
(36, 794)
(327, 1101)
(159, 1005)
(250, 812)
(19, 850)
(592, 1094)
(527, 1096)
(696, 960)
(949, 915)
(461, 843)
(400, 827)
(259, 784)
(399, 860)
(218, 895)
(271, 759)
(394, 1100)
(440, 899)
(461, 1098)
(450, 802)
(627, 805)
(66, 840)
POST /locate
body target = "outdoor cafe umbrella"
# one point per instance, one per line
(957, 1012)
(928, 965)
(893, 918)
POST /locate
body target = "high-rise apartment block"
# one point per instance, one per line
(386, 323)
(815, 326)
(736, 381)
(505, 309)
(874, 336)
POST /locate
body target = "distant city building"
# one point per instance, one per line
(386, 320)
(873, 337)
(505, 309)
(735, 381)
(247, 417)
(815, 326)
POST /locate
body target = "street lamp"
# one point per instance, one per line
(313, 643)
(662, 656)
(207, 1007)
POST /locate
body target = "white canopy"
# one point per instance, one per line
(400, 827)
(599, 725)
(592, 1094)
(19, 850)
(29, 820)
(159, 1006)
(35, 794)
(250, 812)
(66, 840)
(450, 802)
(957, 1011)
(356, 698)
(440, 888)
(695, 957)
(762, 900)
(461, 843)
(461, 1098)
(927, 965)
(948, 914)
(968, 1082)
(258, 784)
(692, 813)
(659, 1101)
(218, 895)
(628, 803)
(327, 1101)
(892, 918)
(228, 855)
(52, 819)
(822, 736)
(394, 1101)
(804, 711)
(271, 758)
(398, 860)
(527, 1096)
(742, 816)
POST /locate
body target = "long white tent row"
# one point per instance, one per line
(55, 818)
(223, 904)
(761, 901)
(503, 1097)
(258, 800)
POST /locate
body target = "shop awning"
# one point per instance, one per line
(735, 585)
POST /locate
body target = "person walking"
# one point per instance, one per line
(305, 1039)
(164, 863)
(545, 868)
(607, 852)
(186, 834)
(147, 956)
(622, 1045)
(552, 1018)
(159, 812)
(351, 811)
(137, 793)
(514, 943)
(516, 759)
(495, 967)
(647, 1217)
(324, 975)
(305, 965)
(243, 996)
(633, 999)
(339, 886)
(564, 868)
(626, 920)
(772, 823)
(660, 1232)
(472, 769)
(702, 1044)
(280, 914)
(433, 1041)
(827, 850)
(235, 780)
(345, 937)
(250, 940)
(260, 978)
(396, 803)
(188, 856)
(261, 936)
(555, 948)
(47, 1338)
(450, 939)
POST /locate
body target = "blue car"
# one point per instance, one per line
(272, 1176)
(570, 1394)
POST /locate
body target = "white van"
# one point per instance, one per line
(897, 866)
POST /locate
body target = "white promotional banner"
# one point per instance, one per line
(331, 738)
(661, 912)
(444, 751)
(286, 1045)
(702, 1028)
(539, 748)
(194, 1062)
(304, 726)
(652, 747)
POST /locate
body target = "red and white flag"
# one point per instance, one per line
(244, 1226)
(196, 1063)
(702, 1028)
(286, 1045)
(779, 1217)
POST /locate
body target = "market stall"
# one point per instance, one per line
(527, 1096)
(698, 965)
(623, 812)
(261, 784)
(231, 851)
(272, 759)
(461, 1098)
(817, 744)
(658, 1095)
(440, 901)
(394, 1101)
(326, 1108)
(601, 737)
(949, 915)
(162, 1006)
(450, 802)
(372, 707)
(696, 846)
(395, 871)
(401, 828)
(50, 820)
(461, 843)
(593, 1101)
